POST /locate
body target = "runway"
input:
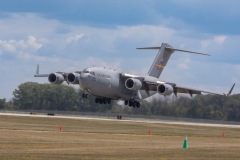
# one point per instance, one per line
(38, 136)
(135, 120)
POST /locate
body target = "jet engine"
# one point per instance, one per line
(133, 84)
(165, 89)
(73, 78)
(55, 78)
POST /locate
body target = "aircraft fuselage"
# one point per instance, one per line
(105, 82)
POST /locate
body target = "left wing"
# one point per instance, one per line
(167, 88)
(161, 87)
(191, 91)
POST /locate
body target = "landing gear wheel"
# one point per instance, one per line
(126, 102)
(138, 105)
(134, 104)
(109, 101)
(84, 95)
(96, 100)
(130, 104)
(104, 100)
(100, 101)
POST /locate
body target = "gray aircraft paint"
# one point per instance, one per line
(160, 61)
(108, 83)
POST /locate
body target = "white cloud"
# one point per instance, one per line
(220, 39)
(24, 49)
(184, 64)
(17, 46)
(74, 38)
(32, 42)
(7, 46)
(214, 40)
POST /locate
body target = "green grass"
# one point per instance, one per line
(39, 138)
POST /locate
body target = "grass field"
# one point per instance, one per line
(23, 138)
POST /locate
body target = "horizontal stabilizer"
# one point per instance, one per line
(174, 49)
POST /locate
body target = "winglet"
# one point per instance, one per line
(37, 71)
(40, 75)
(230, 92)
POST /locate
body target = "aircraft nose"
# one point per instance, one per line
(83, 80)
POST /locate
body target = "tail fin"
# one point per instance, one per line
(162, 58)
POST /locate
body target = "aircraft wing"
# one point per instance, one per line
(191, 91)
(152, 86)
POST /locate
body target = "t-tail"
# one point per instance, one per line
(162, 58)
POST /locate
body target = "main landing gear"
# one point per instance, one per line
(132, 103)
(84, 95)
(103, 100)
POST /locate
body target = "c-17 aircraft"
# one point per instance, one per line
(108, 84)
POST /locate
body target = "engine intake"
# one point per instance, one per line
(73, 78)
(165, 89)
(55, 78)
(133, 84)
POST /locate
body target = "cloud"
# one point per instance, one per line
(33, 43)
(74, 38)
(184, 64)
(24, 49)
(16, 46)
(214, 40)
(220, 39)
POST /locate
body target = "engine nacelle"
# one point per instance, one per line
(165, 89)
(55, 78)
(73, 78)
(133, 84)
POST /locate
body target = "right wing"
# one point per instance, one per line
(40, 75)
(55, 78)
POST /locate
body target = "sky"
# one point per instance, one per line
(70, 35)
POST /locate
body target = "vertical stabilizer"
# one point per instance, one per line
(161, 59)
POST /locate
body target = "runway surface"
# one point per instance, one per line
(136, 120)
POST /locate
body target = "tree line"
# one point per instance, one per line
(34, 96)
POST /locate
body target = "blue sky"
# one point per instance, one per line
(70, 35)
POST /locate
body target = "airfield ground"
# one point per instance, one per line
(24, 137)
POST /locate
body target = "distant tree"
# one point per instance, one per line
(35, 96)
(3, 103)
(45, 96)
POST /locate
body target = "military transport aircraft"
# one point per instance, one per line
(108, 84)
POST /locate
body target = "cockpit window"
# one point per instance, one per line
(86, 71)
(92, 73)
